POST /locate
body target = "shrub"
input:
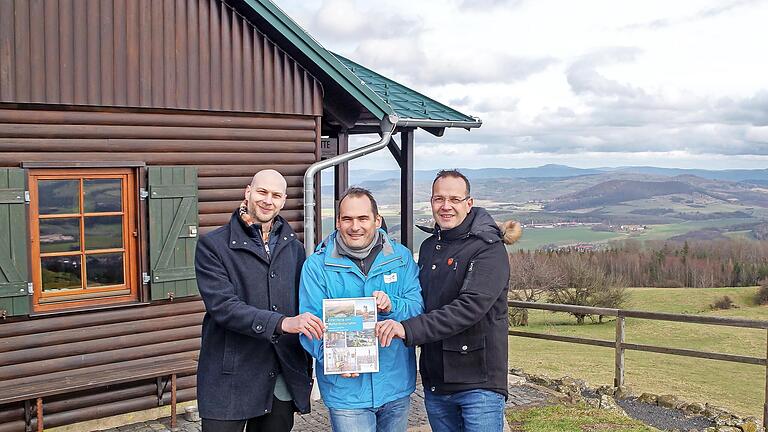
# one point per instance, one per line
(587, 285)
(722, 303)
(531, 277)
(762, 293)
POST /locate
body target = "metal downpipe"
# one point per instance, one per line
(388, 125)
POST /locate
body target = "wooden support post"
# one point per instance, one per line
(160, 389)
(618, 378)
(340, 171)
(173, 401)
(765, 400)
(406, 188)
(27, 416)
(318, 186)
(39, 414)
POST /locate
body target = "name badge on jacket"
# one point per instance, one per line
(390, 278)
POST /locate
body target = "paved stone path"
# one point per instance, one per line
(520, 395)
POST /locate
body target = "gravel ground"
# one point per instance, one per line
(662, 418)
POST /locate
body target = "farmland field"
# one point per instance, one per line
(736, 386)
(661, 232)
(536, 237)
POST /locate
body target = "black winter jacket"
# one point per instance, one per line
(246, 293)
(464, 275)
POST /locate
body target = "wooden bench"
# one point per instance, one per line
(97, 364)
(36, 390)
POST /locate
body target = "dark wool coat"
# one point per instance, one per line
(464, 275)
(246, 293)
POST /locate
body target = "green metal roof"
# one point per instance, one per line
(405, 102)
(320, 56)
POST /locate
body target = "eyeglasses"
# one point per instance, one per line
(440, 200)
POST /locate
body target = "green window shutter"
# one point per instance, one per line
(14, 275)
(172, 231)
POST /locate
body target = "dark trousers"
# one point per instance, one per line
(279, 420)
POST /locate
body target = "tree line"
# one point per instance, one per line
(599, 278)
(697, 264)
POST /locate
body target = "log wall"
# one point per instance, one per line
(226, 149)
(163, 82)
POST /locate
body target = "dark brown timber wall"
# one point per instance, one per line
(188, 54)
(227, 150)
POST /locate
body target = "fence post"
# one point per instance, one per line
(618, 377)
(765, 400)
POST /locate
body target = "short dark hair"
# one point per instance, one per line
(451, 173)
(357, 192)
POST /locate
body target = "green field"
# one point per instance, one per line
(534, 238)
(736, 386)
(661, 232)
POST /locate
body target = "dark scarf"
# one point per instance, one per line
(361, 253)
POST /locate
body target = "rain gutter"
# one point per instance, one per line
(430, 123)
(427, 123)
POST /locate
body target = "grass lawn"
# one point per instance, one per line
(735, 386)
(572, 418)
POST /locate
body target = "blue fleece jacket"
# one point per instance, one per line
(327, 274)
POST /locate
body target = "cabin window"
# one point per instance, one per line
(84, 235)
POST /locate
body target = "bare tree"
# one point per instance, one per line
(532, 276)
(587, 285)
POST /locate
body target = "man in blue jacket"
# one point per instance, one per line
(252, 370)
(360, 260)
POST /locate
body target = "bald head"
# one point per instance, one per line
(271, 179)
(266, 196)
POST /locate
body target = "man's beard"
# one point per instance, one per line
(257, 217)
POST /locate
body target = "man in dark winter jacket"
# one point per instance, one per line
(252, 369)
(464, 275)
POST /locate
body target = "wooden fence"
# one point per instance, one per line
(619, 345)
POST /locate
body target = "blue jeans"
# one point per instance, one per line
(466, 411)
(390, 417)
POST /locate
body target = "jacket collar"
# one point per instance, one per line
(240, 239)
(331, 256)
(478, 223)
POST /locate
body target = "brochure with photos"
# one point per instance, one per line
(350, 344)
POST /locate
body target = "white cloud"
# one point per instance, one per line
(569, 82)
(757, 134)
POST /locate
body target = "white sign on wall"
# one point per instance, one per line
(329, 147)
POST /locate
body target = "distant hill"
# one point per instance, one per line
(682, 204)
(619, 191)
(544, 171)
(737, 175)
(755, 177)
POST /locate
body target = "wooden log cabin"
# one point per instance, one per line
(127, 129)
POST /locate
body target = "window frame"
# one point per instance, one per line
(132, 287)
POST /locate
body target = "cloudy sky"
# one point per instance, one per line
(583, 83)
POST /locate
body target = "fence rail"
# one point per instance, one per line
(620, 345)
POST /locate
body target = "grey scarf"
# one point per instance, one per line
(356, 253)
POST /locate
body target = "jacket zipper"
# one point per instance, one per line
(387, 262)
